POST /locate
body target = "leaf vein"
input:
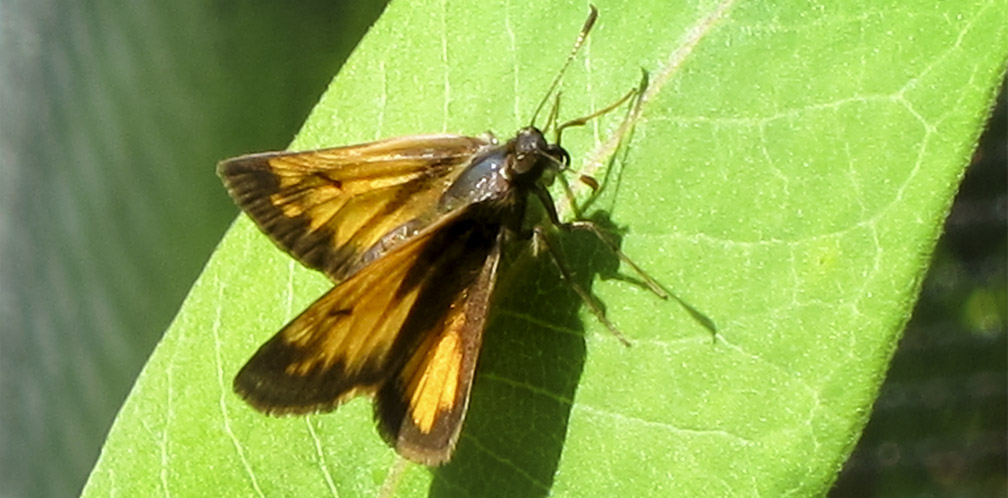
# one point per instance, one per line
(692, 38)
(321, 457)
(592, 410)
(222, 400)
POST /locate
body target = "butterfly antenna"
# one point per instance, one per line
(551, 118)
(589, 22)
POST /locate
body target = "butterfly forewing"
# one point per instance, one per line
(337, 209)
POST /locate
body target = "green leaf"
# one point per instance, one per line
(786, 180)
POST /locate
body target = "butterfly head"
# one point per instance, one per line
(535, 158)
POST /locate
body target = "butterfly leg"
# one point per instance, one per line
(652, 285)
(542, 240)
(550, 206)
(585, 119)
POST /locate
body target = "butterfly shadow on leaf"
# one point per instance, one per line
(529, 369)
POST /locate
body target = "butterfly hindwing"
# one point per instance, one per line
(337, 209)
(337, 347)
(360, 336)
(421, 409)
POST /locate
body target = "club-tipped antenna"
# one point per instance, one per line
(589, 22)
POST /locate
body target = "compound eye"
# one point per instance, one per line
(530, 141)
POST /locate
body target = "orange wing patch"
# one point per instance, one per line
(434, 376)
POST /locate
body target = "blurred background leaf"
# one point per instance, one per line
(113, 116)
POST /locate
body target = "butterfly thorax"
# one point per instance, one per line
(505, 174)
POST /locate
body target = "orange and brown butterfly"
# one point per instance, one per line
(411, 231)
